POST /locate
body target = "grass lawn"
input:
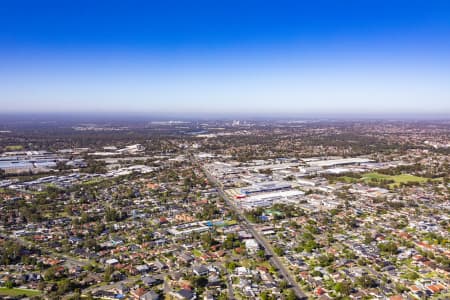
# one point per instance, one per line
(196, 253)
(231, 222)
(14, 148)
(347, 179)
(248, 263)
(398, 179)
(18, 292)
(444, 296)
(265, 264)
(93, 181)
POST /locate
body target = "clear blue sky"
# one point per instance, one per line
(225, 57)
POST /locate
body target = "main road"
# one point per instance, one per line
(274, 259)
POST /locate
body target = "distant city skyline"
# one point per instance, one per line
(226, 59)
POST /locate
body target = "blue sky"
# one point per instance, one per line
(226, 57)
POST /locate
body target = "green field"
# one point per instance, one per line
(14, 148)
(348, 179)
(196, 253)
(93, 181)
(397, 179)
(230, 223)
(19, 292)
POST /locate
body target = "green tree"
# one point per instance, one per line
(283, 284)
(64, 286)
(9, 284)
(108, 272)
(366, 281)
(278, 251)
(388, 247)
(200, 282)
(344, 288)
(261, 253)
(50, 274)
(290, 295)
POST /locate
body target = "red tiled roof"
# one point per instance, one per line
(320, 291)
(414, 288)
(436, 288)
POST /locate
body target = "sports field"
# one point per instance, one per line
(397, 179)
(14, 148)
(19, 292)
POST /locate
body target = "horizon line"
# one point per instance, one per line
(168, 116)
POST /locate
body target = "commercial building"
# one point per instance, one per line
(188, 228)
(268, 186)
(268, 199)
(338, 162)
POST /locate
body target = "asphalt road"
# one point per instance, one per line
(230, 287)
(274, 259)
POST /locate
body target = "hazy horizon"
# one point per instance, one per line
(86, 117)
